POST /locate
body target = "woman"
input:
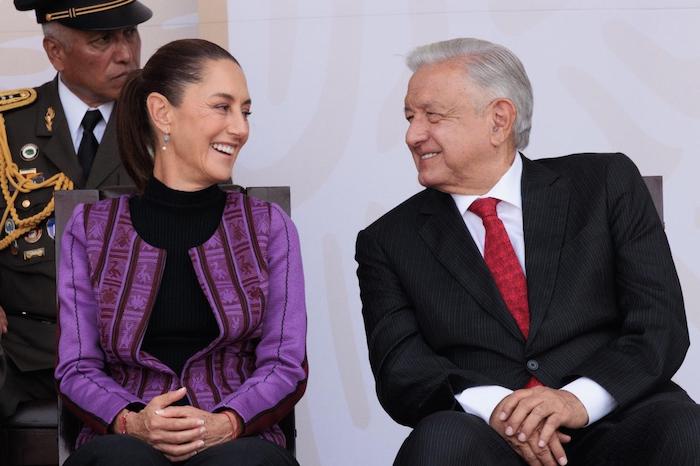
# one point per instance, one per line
(182, 315)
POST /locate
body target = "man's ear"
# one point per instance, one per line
(55, 52)
(503, 113)
(160, 111)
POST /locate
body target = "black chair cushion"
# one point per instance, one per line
(34, 414)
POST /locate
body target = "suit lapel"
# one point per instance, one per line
(545, 206)
(59, 147)
(444, 232)
(107, 158)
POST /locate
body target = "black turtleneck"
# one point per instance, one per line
(182, 321)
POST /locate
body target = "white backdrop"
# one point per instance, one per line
(327, 80)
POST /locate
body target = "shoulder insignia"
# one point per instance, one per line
(16, 98)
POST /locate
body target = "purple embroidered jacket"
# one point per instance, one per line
(250, 271)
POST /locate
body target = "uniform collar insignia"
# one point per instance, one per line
(48, 118)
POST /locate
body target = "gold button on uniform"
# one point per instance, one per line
(26, 203)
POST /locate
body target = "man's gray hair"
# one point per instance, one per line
(59, 33)
(491, 67)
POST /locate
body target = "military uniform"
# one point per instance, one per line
(37, 156)
(40, 145)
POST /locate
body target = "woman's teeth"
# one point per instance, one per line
(225, 148)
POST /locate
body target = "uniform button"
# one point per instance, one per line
(533, 365)
(26, 203)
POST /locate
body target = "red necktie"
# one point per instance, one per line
(505, 269)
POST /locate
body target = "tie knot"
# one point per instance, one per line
(484, 207)
(90, 120)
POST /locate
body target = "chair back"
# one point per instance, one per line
(655, 185)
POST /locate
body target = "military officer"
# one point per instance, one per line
(57, 136)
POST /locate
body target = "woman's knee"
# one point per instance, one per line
(245, 451)
(116, 450)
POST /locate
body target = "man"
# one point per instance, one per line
(58, 136)
(520, 311)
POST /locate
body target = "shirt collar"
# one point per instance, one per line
(74, 109)
(507, 189)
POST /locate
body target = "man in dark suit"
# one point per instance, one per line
(520, 311)
(57, 136)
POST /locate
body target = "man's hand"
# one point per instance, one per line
(3, 321)
(534, 415)
(551, 454)
(176, 437)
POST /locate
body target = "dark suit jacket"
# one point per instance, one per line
(28, 286)
(605, 301)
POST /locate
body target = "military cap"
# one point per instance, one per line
(89, 15)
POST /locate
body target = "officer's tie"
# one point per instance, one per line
(88, 145)
(505, 268)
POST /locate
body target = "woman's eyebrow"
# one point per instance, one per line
(228, 96)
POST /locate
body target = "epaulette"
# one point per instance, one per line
(16, 98)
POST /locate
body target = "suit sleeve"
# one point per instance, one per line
(83, 383)
(653, 332)
(412, 380)
(279, 379)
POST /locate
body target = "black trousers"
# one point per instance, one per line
(19, 387)
(120, 450)
(661, 430)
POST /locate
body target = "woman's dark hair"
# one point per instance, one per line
(168, 72)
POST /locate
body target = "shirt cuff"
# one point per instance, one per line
(597, 400)
(481, 401)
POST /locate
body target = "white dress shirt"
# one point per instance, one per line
(74, 109)
(481, 401)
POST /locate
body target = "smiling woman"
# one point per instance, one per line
(184, 119)
(207, 129)
(182, 313)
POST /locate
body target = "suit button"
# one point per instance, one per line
(533, 365)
